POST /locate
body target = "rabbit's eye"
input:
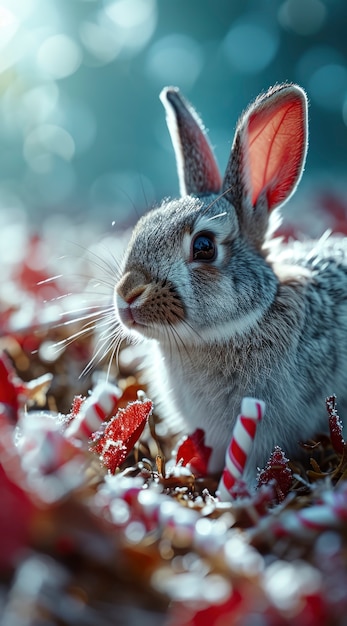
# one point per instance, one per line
(204, 247)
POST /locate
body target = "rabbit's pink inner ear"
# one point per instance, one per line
(276, 149)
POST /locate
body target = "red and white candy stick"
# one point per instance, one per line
(123, 499)
(100, 405)
(252, 411)
(329, 513)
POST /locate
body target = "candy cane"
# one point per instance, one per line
(126, 499)
(147, 505)
(100, 405)
(52, 464)
(305, 523)
(252, 411)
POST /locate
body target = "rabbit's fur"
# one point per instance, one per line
(262, 318)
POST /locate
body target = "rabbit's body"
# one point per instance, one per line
(234, 314)
(291, 363)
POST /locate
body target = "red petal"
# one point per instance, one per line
(76, 405)
(17, 510)
(277, 469)
(16, 514)
(10, 385)
(194, 453)
(335, 425)
(121, 433)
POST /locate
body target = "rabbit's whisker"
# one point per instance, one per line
(114, 349)
(88, 316)
(50, 279)
(215, 217)
(111, 267)
(220, 195)
(179, 343)
(109, 340)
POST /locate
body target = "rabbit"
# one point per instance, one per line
(231, 310)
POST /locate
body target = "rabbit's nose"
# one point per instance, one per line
(131, 286)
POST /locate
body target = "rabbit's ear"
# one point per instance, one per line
(268, 154)
(197, 168)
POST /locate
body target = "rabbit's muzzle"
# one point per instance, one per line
(143, 303)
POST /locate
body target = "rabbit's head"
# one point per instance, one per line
(195, 270)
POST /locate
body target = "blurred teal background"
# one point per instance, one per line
(82, 131)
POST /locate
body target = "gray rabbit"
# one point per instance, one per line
(233, 311)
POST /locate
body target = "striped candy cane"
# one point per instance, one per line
(151, 508)
(330, 513)
(99, 406)
(252, 411)
(123, 499)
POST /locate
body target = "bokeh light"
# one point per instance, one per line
(304, 17)
(287, 582)
(251, 59)
(175, 59)
(82, 131)
(328, 85)
(59, 56)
